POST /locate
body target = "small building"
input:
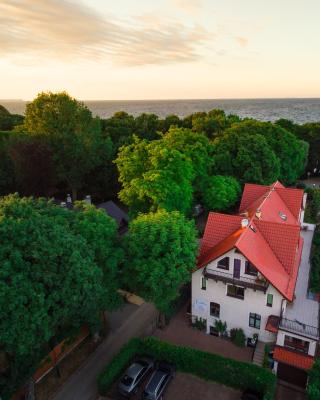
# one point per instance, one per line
(253, 271)
(116, 213)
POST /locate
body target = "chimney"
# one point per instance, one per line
(88, 199)
(244, 223)
(258, 213)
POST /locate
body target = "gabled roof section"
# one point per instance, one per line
(218, 227)
(271, 241)
(251, 193)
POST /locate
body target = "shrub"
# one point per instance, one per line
(315, 263)
(207, 366)
(238, 337)
(200, 323)
(313, 388)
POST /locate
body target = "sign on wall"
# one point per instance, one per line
(200, 306)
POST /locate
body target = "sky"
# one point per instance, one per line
(164, 49)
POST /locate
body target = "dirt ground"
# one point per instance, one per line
(187, 387)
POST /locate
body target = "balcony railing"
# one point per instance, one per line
(252, 283)
(299, 328)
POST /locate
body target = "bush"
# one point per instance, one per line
(313, 388)
(238, 337)
(236, 374)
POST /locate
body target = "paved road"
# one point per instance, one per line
(125, 324)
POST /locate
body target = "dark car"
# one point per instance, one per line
(250, 394)
(130, 381)
(158, 382)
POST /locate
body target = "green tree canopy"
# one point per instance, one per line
(57, 271)
(120, 128)
(313, 388)
(220, 192)
(7, 120)
(310, 133)
(161, 251)
(73, 135)
(154, 176)
(291, 152)
(246, 156)
(147, 126)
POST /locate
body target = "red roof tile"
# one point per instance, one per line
(250, 194)
(274, 244)
(299, 360)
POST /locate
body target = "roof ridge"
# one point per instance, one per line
(278, 223)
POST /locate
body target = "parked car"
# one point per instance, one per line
(130, 381)
(158, 382)
(250, 394)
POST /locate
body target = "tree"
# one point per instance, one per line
(246, 156)
(310, 133)
(147, 126)
(33, 166)
(57, 271)
(72, 134)
(220, 192)
(291, 152)
(7, 179)
(170, 121)
(211, 124)
(154, 177)
(8, 120)
(161, 251)
(120, 128)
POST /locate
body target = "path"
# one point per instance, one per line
(126, 323)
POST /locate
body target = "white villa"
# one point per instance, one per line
(253, 273)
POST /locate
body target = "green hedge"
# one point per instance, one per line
(236, 374)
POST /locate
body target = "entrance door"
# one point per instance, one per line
(236, 268)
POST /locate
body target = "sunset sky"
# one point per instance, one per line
(145, 49)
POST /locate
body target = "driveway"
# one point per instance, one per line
(125, 323)
(179, 332)
(187, 387)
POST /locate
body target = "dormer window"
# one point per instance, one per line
(223, 263)
(250, 269)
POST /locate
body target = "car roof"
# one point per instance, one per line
(134, 369)
(156, 378)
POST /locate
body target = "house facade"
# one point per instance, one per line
(252, 273)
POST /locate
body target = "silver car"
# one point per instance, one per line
(158, 382)
(130, 381)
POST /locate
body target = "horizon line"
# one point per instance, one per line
(176, 99)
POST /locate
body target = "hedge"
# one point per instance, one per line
(212, 367)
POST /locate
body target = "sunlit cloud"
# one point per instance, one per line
(242, 42)
(66, 30)
(189, 6)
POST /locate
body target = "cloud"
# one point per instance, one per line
(189, 6)
(242, 42)
(67, 30)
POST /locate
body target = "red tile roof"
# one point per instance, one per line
(274, 244)
(298, 360)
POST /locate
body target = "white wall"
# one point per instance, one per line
(232, 310)
(282, 334)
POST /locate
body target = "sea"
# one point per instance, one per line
(297, 110)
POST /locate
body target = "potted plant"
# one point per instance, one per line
(221, 327)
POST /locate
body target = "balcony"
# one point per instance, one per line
(252, 283)
(299, 328)
(275, 323)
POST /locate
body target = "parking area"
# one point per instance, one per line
(186, 387)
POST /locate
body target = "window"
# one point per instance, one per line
(215, 309)
(203, 283)
(235, 291)
(296, 344)
(269, 299)
(250, 269)
(254, 320)
(224, 263)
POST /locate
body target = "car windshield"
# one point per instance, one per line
(126, 380)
